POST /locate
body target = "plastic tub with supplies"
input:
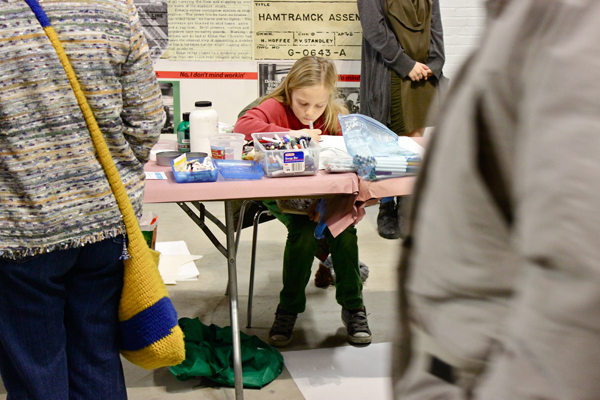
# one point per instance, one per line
(287, 162)
(195, 176)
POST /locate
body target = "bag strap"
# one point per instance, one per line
(112, 174)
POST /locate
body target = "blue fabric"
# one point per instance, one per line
(39, 12)
(321, 209)
(386, 199)
(59, 324)
(135, 334)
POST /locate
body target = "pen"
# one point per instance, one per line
(271, 140)
(310, 125)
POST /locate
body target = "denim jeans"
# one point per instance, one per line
(59, 324)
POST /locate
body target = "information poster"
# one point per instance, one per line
(289, 29)
(210, 30)
(154, 20)
(271, 75)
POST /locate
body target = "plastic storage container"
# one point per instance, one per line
(282, 163)
(198, 176)
(227, 146)
(239, 169)
(204, 123)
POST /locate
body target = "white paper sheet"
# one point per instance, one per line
(349, 373)
(176, 263)
(332, 146)
(333, 141)
(407, 143)
(156, 175)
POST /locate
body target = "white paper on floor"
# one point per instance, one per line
(349, 373)
(176, 263)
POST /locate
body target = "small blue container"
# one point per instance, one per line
(197, 176)
(239, 169)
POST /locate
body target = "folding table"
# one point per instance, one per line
(347, 188)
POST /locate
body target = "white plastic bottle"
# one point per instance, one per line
(204, 123)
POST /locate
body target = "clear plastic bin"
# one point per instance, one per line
(197, 176)
(239, 169)
(291, 162)
(227, 146)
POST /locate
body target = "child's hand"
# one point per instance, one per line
(315, 134)
(419, 71)
(312, 211)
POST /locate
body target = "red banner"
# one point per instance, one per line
(205, 75)
(229, 75)
(349, 78)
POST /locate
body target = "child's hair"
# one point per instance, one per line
(311, 71)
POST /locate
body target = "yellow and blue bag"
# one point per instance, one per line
(150, 335)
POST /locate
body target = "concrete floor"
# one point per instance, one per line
(319, 327)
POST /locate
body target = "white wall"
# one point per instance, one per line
(463, 22)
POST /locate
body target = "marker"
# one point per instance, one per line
(271, 140)
(310, 125)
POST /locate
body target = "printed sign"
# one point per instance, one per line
(207, 30)
(289, 30)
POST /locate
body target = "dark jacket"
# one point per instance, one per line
(381, 52)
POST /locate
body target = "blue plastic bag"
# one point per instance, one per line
(375, 149)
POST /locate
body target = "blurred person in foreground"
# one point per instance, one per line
(500, 276)
(61, 231)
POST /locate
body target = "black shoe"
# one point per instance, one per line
(357, 325)
(281, 332)
(387, 221)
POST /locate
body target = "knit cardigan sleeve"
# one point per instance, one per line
(143, 113)
(437, 55)
(377, 32)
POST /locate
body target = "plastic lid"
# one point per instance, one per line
(196, 154)
(203, 104)
(186, 116)
(164, 157)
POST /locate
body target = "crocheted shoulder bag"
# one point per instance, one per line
(150, 335)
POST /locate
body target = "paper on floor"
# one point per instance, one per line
(349, 373)
(176, 263)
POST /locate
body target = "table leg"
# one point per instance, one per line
(233, 301)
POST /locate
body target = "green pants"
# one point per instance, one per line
(299, 256)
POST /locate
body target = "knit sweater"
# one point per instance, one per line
(53, 191)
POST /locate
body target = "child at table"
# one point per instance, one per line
(308, 96)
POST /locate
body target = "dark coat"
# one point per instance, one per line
(381, 52)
